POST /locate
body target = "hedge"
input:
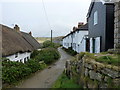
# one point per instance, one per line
(48, 55)
(15, 71)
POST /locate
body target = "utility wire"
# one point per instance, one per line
(46, 14)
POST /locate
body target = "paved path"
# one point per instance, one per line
(46, 78)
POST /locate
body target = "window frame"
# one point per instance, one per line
(95, 21)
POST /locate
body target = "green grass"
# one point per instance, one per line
(64, 82)
(109, 60)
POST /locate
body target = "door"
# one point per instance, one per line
(87, 45)
(97, 44)
(93, 43)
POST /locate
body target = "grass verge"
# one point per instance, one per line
(64, 82)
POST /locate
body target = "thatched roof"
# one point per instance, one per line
(32, 41)
(13, 42)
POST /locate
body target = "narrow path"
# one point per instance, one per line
(46, 78)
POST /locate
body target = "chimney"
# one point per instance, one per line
(74, 28)
(17, 28)
(30, 33)
(80, 24)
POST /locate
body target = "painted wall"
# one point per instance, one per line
(98, 29)
(79, 41)
(76, 41)
(105, 26)
(67, 41)
(19, 57)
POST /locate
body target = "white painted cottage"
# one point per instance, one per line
(77, 39)
(17, 45)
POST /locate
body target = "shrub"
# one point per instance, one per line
(70, 51)
(33, 65)
(48, 55)
(48, 43)
(15, 71)
(34, 54)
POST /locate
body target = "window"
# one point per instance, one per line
(16, 55)
(95, 18)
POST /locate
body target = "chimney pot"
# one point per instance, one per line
(17, 28)
(80, 24)
(74, 28)
(30, 33)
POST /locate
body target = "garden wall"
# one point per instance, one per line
(117, 26)
(92, 74)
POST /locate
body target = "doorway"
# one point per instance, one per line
(93, 43)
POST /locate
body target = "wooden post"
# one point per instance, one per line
(51, 37)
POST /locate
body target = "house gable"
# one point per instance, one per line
(105, 24)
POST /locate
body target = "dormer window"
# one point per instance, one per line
(95, 17)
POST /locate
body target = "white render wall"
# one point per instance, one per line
(78, 43)
(67, 41)
(20, 56)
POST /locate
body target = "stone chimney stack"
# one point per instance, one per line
(80, 24)
(30, 33)
(17, 28)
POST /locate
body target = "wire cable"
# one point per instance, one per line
(46, 15)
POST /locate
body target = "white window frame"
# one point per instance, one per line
(95, 17)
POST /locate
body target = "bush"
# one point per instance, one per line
(15, 71)
(33, 65)
(48, 55)
(70, 51)
(48, 44)
(34, 54)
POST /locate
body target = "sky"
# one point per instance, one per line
(39, 18)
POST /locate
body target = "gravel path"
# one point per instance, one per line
(46, 78)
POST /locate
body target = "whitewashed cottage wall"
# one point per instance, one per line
(79, 43)
(20, 57)
(67, 41)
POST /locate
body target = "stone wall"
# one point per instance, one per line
(117, 26)
(92, 74)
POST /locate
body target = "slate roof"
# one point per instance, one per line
(104, 2)
(82, 28)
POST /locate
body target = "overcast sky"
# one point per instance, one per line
(30, 15)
